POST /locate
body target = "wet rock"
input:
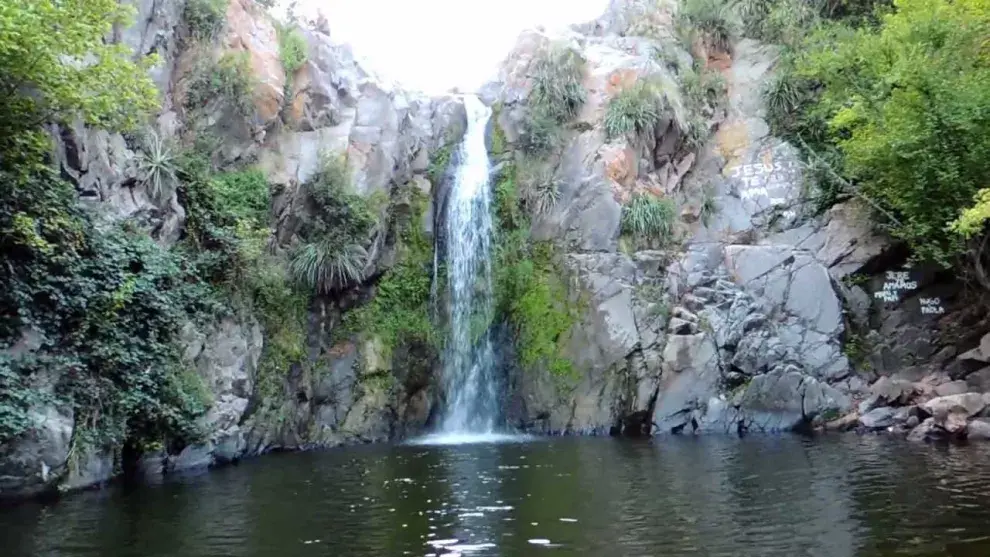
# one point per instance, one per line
(879, 418)
(926, 431)
(978, 430)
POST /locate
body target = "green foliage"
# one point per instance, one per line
(332, 254)
(539, 188)
(972, 219)
(43, 78)
(556, 97)
(206, 18)
(327, 264)
(399, 313)
(244, 194)
(778, 21)
(530, 291)
(649, 217)
(439, 163)
(557, 92)
(156, 167)
(907, 104)
(635, 109)
(228, 81)
(108, 305)
(291, 49)
(715, 19)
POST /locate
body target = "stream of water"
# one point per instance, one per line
(471, 393)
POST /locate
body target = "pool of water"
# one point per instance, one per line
(770, 496)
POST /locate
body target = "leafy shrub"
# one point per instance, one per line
(205, 18)
(244, 194)
(39, 37)
(541, 135)
(709, 207)
(332, 255)
(715, 19)
(291, 48)
(228, 81)
(399, 314)
(557, 92)
(649, 217)
(109, 304)
(907, 106)
(156, 167)
(635, 109)
(440, 163)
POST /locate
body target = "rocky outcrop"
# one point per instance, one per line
(738, 324)
(347, 390)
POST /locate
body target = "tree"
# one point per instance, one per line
(56, 67)
(908, 106)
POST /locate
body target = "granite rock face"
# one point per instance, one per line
(389, 135)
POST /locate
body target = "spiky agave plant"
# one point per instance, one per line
(635, 109)
(328, 264)
(709, 207)
(156, 166)
(648, 216)
(540, 188)
(781, 96)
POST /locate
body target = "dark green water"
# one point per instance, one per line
(783, 496)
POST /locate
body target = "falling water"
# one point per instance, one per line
(470, 385)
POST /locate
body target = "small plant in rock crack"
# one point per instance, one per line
(157, 168)
(648, 216)
(540, 189)
(557, 90)
(709, 207)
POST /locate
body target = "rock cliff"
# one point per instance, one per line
(290, 120)
(748, 316)
(752, 312)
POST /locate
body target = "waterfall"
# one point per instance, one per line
(472, 404)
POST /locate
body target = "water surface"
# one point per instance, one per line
(769, 496)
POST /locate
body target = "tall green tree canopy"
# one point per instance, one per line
(55, 65)
(907, 103)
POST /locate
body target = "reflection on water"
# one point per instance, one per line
(784, 496)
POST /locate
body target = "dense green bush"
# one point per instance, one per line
(206, 18)
(291, 48)
(905, 105)
(333, 254)
(108, 305)
(530, 291)
(228, 81)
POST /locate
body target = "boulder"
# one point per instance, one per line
(980, 353)
(966, 404)
(879, 418)
(926, 431)
(978, 430)
(952, 388)
(895, 392)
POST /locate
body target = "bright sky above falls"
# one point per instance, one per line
(434, 45)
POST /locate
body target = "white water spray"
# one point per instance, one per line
(472, 398)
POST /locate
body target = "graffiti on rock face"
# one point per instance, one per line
(772, 182)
